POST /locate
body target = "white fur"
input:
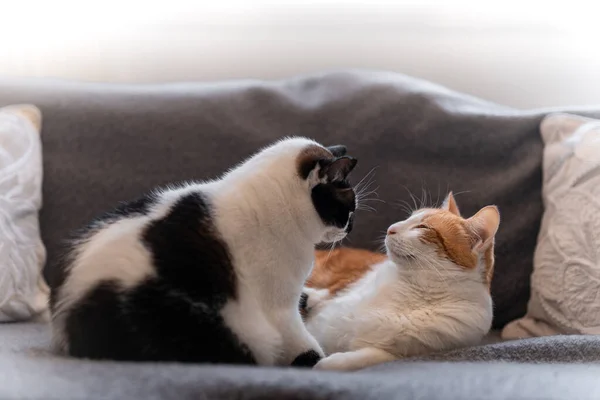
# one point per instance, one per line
(264, 212)
(403, 307)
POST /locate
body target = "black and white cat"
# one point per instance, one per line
(208, 272)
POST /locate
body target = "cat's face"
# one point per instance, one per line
(442, 240)
(326, 170)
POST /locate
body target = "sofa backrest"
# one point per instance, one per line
(106, 143)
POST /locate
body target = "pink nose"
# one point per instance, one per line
(391, 231)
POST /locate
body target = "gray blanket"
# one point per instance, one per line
(28, 370)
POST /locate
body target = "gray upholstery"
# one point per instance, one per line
(105, 143)
(29, 371)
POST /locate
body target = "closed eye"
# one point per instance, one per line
(421, 226)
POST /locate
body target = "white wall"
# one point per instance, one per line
(521, 54)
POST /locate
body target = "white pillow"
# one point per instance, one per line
(23, 292)
(565, 285)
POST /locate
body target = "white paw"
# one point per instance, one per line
(315, 297)
(336, 362)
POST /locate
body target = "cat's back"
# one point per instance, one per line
(160, 252)
(129, 243)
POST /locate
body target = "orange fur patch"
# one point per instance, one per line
(452, 236)
(337, 269)
(455, 237)
(489, 265)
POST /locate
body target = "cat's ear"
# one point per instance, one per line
(484, 226)
(338, 169)
(337, 150)
(449, 204)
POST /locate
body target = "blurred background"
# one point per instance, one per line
(518, 53)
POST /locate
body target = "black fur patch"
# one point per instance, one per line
(174, 316)
(303, 304)
(307, 359)
(189, 254)
(139, 206)
(97, 328)
(303, 301)
(334, 202)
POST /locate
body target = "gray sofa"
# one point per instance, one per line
(106, 143)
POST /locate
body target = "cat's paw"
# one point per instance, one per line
(307, 359)
(354, 360)
(312, 298)
(303, 304)
(337, 362)
(334, 362)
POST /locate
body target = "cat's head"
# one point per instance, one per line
(324, 171)
(441, 239)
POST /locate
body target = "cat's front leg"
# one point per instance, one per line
(353, 360)
(301, 348)
(310, 300)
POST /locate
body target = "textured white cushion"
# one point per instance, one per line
(565, 288)
(23, 292)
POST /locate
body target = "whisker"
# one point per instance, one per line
(405, 206)
(426, 199)
(357, 186)
(437, 201)
(366, 191)
(381, 242)
(364, 197)
(363, 206)
(412, 197)
(461, 192)
(330, 251)
(366, 207)
(430, 201)
(373, 199)
(363, 189)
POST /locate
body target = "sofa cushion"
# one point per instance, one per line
(106, 143)
(23, 291)
(566, 275)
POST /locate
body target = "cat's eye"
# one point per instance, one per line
(421, 226)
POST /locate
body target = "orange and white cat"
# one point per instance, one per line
(430, 294)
